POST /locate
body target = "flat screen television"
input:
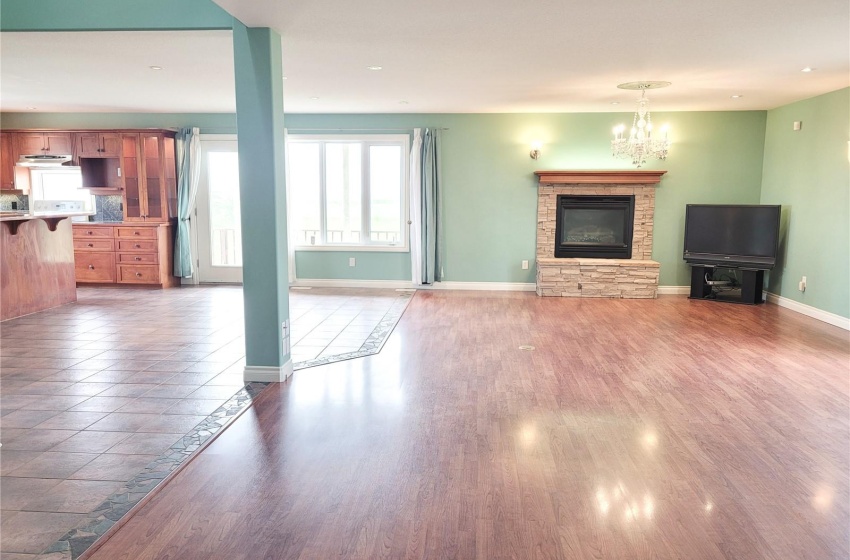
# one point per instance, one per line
(733, 235)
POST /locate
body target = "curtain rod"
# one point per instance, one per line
(361, 129)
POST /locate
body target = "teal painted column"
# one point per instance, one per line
(259, 124)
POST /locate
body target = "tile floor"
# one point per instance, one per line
(91, 393)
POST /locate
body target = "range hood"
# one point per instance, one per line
(41, 160)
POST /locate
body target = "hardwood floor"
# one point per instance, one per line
(635, 429)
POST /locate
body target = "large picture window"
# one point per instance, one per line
(349, 191)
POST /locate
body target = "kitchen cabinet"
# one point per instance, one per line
(98, 145)
(138, 254)
(47, 143)
(7, 161)
(151, 195)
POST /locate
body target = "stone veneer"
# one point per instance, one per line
(581, 277)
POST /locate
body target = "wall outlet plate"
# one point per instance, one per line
(525, 265)
(352, 261)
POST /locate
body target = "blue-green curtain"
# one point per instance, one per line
(188, 175)
(431, 207)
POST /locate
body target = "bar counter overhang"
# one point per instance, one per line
(36, 262)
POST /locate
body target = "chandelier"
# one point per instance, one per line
(641, 143)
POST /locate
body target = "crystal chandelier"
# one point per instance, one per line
(641, 144)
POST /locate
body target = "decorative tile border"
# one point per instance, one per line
(376, 339)
(78, 540)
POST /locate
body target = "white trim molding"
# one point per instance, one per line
(482, 286)
(674, 290)
(268, 374)
(343, 283)
(809, 311)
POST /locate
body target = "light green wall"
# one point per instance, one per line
(113, 15)
(209, 123)
(808, 173)
(368, 265)
(490, 188)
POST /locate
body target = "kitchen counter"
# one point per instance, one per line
(36, 263)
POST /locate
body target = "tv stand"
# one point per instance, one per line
(752, 285)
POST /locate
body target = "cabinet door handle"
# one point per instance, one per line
(90, 232)
(138, 258)
(139, 274)
(137, 246)
(135, 233)
(91, 244)
(91, 267)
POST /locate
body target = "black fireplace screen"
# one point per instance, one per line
(594, 226)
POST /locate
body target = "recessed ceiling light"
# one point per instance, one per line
(808, 69)
(615, 103)
(284, 77)
(314, 98)
(32, 108)
(375, 67)
(737, 96)
(155, 67)
(403, 103)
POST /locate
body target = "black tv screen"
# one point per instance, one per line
(745, 236)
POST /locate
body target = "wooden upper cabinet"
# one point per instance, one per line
(47, 143)
(58, 143)
(151, 197)
(98, 144)
(7, 161)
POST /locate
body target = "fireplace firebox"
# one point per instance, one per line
(594, 226)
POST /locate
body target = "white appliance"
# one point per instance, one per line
(53, 187)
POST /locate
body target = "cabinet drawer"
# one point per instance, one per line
(94, 267)
(138, 274)
(138, 258)
(86, 232)
(141, 245)
(93, 244)
(135, 233)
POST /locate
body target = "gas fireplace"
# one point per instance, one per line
(594, 226)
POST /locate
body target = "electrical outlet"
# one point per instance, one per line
(802, 284)
(352, 262)
(798, 125)
(525, 265)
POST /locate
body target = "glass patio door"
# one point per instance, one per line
(219, 222)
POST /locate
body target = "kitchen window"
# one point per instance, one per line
(348, 192)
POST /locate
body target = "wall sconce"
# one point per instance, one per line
(535, 150)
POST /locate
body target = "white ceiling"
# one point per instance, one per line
(449, 56)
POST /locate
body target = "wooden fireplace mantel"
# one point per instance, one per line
(621, 177)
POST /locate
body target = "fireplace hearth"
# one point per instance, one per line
(594, 227)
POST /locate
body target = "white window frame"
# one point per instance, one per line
(367, 140)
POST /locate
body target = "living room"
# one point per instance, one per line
(627, 383)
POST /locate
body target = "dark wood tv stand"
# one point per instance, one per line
(752, 285)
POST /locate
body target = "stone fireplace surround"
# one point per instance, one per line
(636, 277)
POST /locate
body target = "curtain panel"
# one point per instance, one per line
(188, 175)
(426, 237)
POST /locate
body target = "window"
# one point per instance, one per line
(349, 191)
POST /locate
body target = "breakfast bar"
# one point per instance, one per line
(36, 262)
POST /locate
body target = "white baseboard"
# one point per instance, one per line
(321, 283)
(268, 374)
(482, 286)
(403, 284)
(809, 311)
(673, 290)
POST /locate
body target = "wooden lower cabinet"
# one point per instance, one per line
(132, 254)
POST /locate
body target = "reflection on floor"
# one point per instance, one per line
(103, 398)
(636, 429)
